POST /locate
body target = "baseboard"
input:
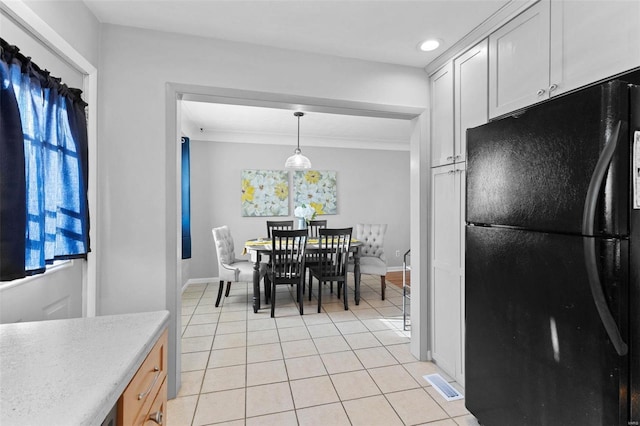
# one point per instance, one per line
(198, 281)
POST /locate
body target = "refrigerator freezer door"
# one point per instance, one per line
(533, 171)
(536, 350)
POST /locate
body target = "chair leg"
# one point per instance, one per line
(344, 294)
(339, 288)
(267, 289)
(273, 299)
(383, 284)
(311, 285)
(299, 294)
(319, 295)
(304, 279)
(219, 293)
(226, 293)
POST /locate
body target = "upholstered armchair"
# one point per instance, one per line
(231, 269)
(372, 258)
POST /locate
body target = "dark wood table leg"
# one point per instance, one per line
(256, 283)
(356, 274)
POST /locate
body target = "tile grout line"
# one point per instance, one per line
(334, 322)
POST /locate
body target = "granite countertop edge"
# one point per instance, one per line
(72, 371)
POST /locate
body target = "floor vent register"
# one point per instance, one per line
(447, 391)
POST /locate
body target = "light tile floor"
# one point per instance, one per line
(334, 368)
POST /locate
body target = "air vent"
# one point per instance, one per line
(445, 389)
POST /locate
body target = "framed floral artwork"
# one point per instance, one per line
(316, 189)
(265, 193)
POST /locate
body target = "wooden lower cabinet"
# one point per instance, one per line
(158, 411)
(144, 400)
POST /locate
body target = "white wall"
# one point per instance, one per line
(55, 295)
(373, 187)
(15, 34)
(137, 168)
(59, 292)
(136, 66)
(74, 22)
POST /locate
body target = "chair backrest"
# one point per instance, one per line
(283, 225)
(314, 226)
(372, 238)
(224, 245)
(287, 254)
(334, 251)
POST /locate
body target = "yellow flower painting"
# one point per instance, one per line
(317, 189)
(265, 193)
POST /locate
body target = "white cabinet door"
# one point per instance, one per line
(471, 94)
(442, 116)
(447, 269)
(519, 61)
(460, 185)
(591, 41)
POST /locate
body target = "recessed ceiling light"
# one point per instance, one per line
(429, 45)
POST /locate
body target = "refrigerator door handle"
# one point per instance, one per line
(591, 200)
(599, 299)
(588, 225)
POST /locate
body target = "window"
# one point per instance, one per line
(43, 168)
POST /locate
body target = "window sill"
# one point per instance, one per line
(57, 265)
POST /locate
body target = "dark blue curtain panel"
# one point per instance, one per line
(44, 153)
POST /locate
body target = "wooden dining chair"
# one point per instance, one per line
(287, 263)
(312, 231)
(333, 259)
(314, 226)
(283, 225)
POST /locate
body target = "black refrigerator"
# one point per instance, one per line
(552, 263)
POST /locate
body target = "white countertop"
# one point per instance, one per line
(71, 372)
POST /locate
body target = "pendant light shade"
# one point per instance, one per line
(297, 160)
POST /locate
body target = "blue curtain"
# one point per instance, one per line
(186, 200)
(44, 184)
(13, 206)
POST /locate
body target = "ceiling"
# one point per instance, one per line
(387, 31)
(250, 124)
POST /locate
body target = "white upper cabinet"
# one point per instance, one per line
(559, 45)
(592, 40)
(471, 94)
(519, 61)
(442, 116)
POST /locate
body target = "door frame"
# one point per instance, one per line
(176, 92)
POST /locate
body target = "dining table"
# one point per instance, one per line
(258, 247)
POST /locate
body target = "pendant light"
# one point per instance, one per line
(297, 160)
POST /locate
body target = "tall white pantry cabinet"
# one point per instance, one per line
(459, 101)
(551, 48)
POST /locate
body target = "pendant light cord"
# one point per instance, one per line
(298, 133)
(298, 114)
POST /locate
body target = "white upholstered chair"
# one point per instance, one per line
(231, 269)
(372, 258)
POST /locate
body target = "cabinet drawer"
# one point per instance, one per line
(144, 386)
(158, 411)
